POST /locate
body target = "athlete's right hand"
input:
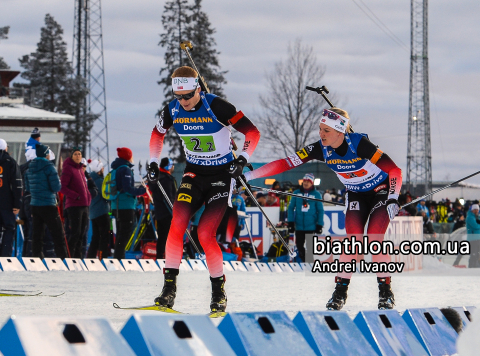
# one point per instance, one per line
(236, 168)
(153, 172)
(393, 207)
(239, 184)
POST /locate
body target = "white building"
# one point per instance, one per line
(17, 121)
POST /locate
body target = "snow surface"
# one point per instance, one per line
(92, 293)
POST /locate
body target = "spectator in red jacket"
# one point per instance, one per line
(77, 200)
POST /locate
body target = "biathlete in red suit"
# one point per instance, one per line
(202, 121)
(373, 183)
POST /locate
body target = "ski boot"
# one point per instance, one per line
(218, 302)
(386, 299)
(339, 296)
(169, 291)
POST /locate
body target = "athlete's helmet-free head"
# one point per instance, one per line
(334, 124)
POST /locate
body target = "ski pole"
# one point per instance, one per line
(151, 199)
(185, 46)
(322, 91)
(291, 253)
(167, 199)
(296, 195)
(439, 189)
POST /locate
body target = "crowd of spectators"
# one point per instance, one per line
(55, 210)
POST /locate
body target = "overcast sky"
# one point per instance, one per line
(366, 68)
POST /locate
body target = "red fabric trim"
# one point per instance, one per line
(237, 117)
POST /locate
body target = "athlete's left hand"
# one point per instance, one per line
(393, 208)
(319, 229)
(236, 168)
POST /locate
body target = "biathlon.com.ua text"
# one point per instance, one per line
(363, 246)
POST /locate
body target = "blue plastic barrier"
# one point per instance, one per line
(465, 314)
(432, 329)
(263, 333)
(388, 333)
(66, 336)
(174, 335)
(332, 333)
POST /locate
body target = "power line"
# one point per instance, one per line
(382, 26)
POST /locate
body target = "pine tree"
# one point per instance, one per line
(184, 22)
(173, 22)
(50, 72)
(204, 54)
(4, 36)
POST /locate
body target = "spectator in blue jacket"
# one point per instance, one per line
(305, 216)
(98, 214)
(473, 236)
(422, 207)
(124, 206)
(41, 180)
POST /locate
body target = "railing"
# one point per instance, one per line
(28, 96)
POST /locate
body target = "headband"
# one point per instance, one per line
(184, 83)
(334, 120)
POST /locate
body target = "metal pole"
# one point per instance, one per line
(296, 195)
(202, 256)
(291, 253)
(440, 189)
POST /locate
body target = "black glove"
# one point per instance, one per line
(239, 184)
(236, 168)
(153, 172)
(393, 208)
(318, 229)
(291, 227)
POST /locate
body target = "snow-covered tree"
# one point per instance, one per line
(4, 36)
(205, 54)
(50, 73)
(187, 22)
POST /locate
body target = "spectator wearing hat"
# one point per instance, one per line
(421, 206)
(33, 141)
(163, 212)
(98, 214)
(261, 198)
(25, 213)
(77, 200)
(124, 206)
(41, 180)
(10, 198)
(473, 236)
(272, 200)
(305, 216)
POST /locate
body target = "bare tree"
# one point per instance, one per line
(290, 113)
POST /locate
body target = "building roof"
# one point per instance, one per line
(25, 112)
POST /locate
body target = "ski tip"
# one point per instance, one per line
(116, 306)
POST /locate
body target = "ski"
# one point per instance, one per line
(5, 293)
(52, 295)
(167, 310)
(18, 294)
(18, 291)
(150, 307)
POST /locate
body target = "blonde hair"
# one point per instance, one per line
(185, 71)
(344, 114)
